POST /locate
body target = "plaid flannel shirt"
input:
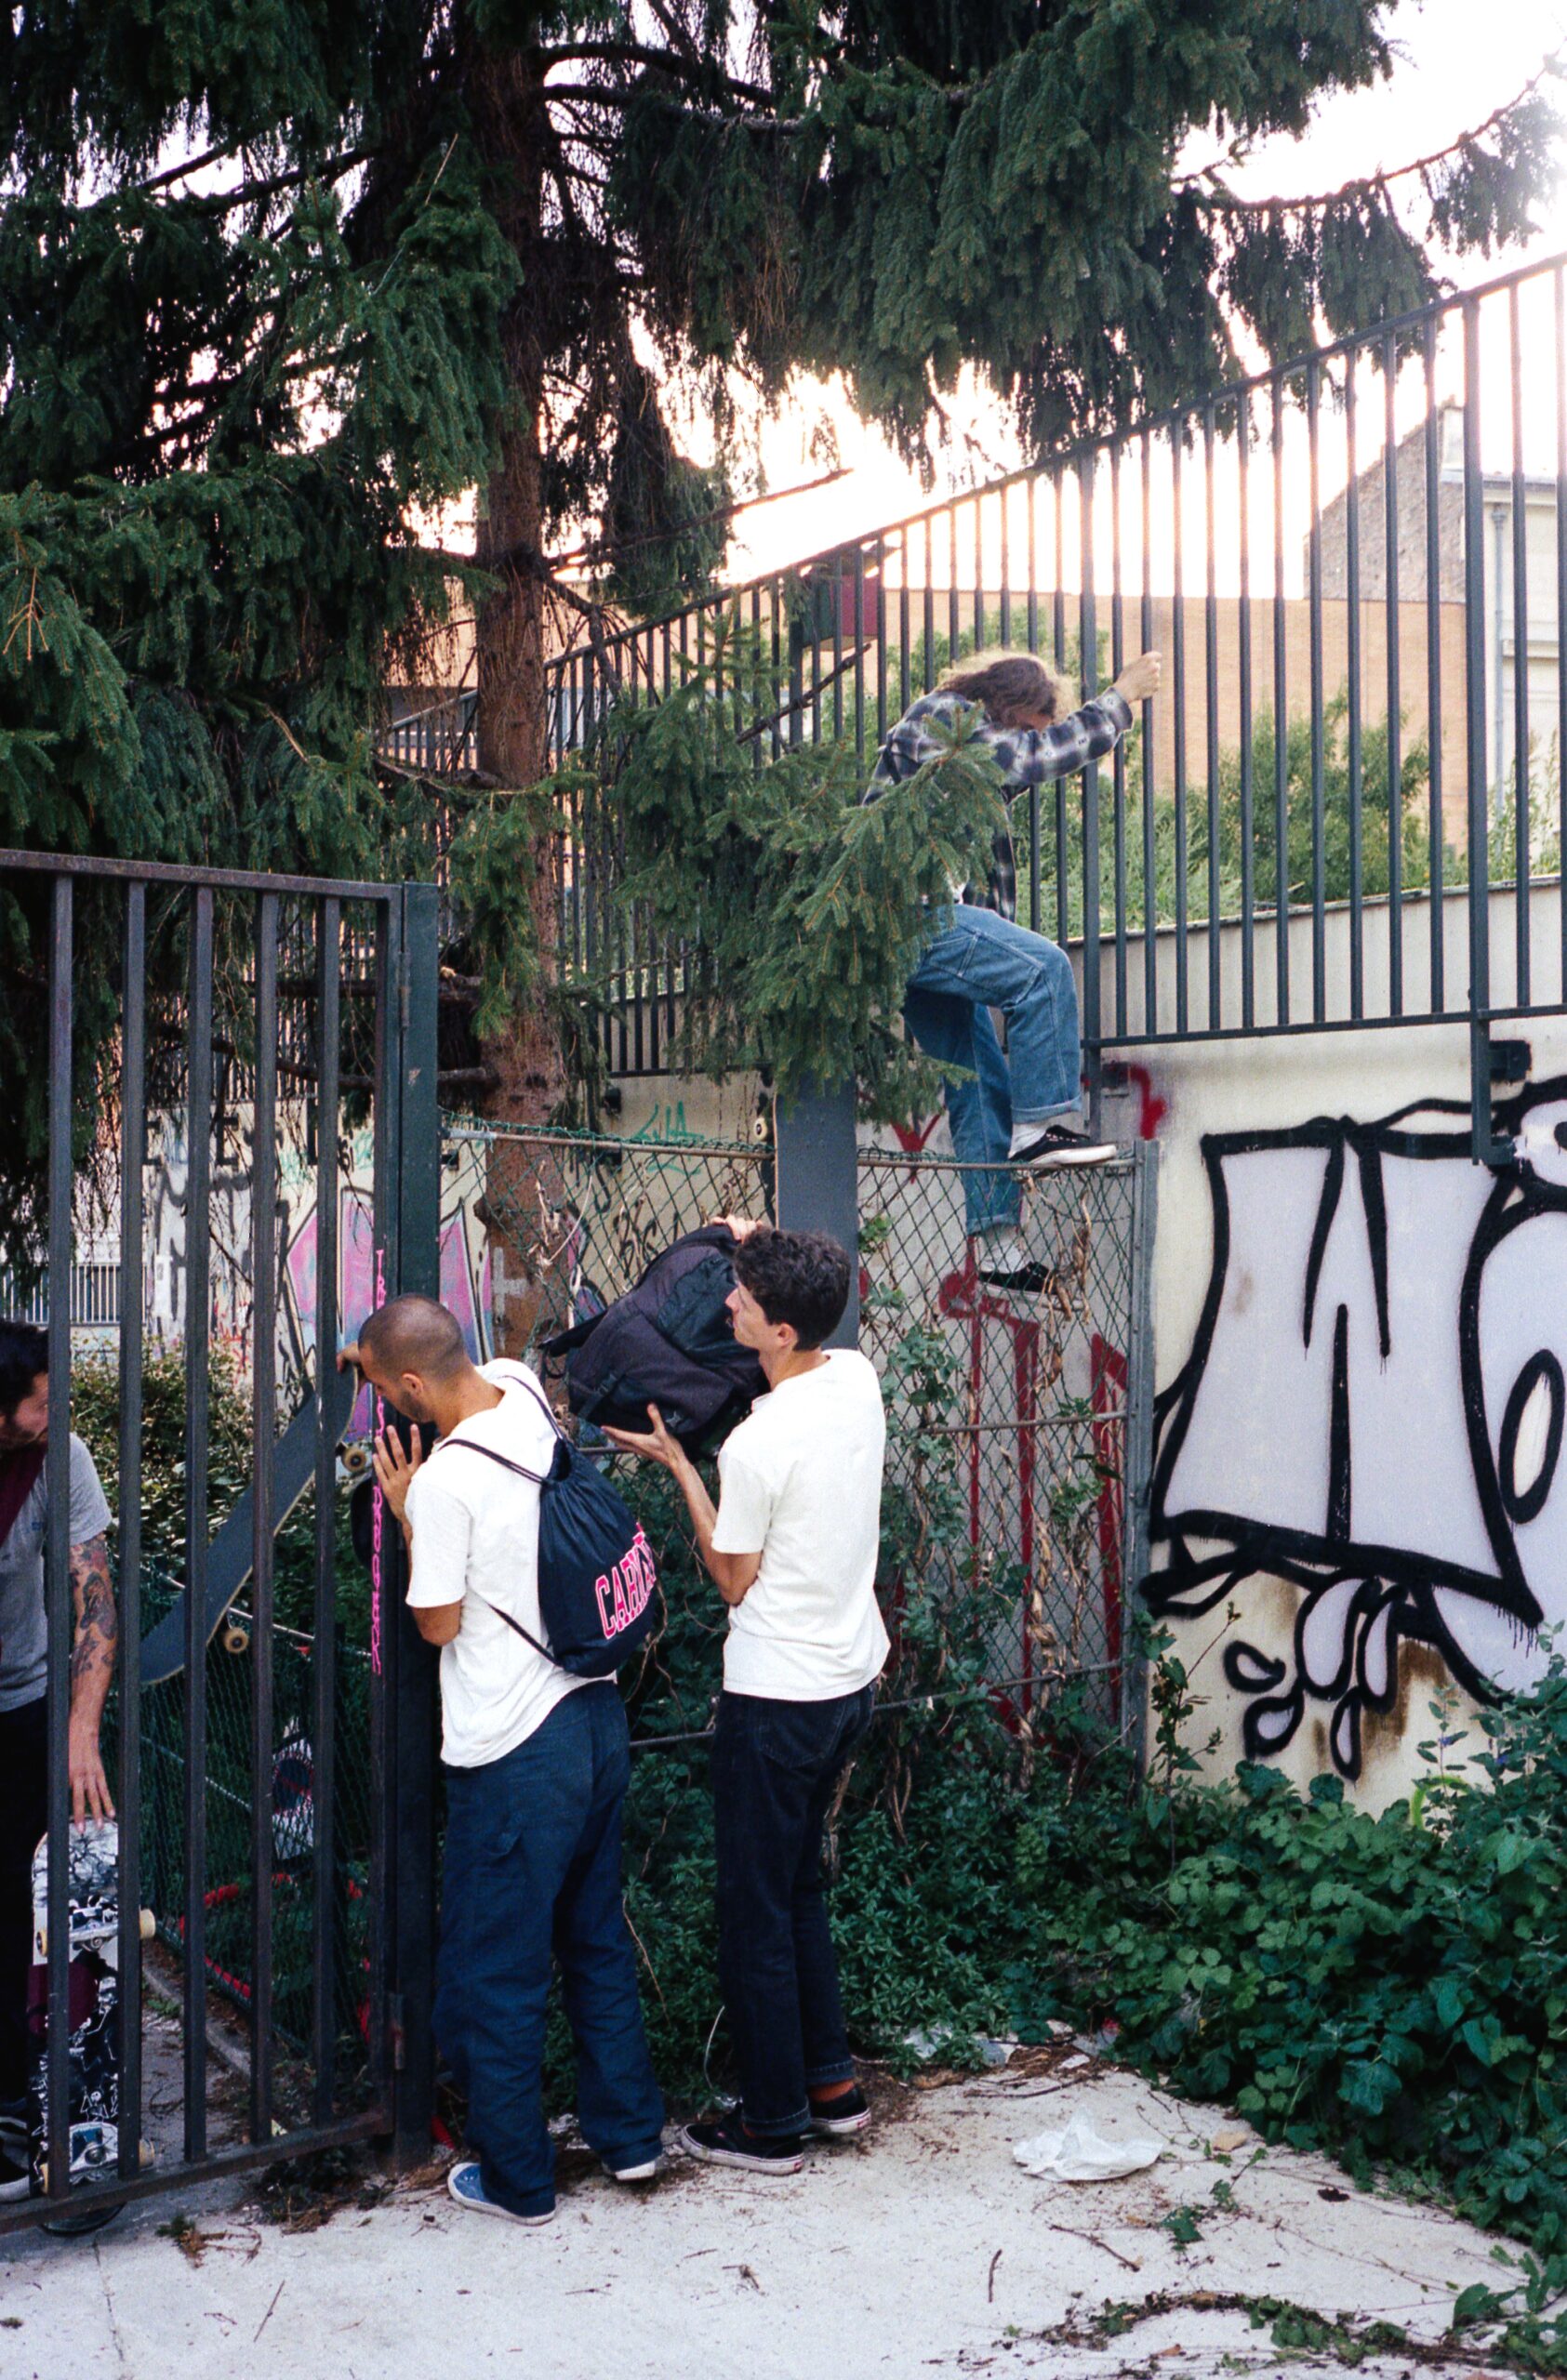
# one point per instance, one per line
(1027, 755)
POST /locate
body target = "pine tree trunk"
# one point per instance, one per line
(511, 637)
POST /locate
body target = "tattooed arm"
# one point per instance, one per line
(92, 1665)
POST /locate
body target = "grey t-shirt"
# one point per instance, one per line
(23, 1637)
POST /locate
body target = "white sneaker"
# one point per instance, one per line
(648, 2171)
(465, 2184)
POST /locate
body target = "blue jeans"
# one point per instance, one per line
(533, 1866)
(979, 961)
(775, 1768)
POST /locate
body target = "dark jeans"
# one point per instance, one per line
(533, 1866)
(775, 1767)
(23, 1814)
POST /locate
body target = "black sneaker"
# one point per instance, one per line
(728, 2143)
(1028, 1280)
(839, 2119)
(1060, 1144)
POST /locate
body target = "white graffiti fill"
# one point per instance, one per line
(1372, 1410)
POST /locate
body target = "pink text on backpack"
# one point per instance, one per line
(625, 1594)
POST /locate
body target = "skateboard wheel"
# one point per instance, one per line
(237, 1639)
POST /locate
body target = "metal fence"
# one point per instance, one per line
(1346, 808)
(208, 964)
(1019, 1428)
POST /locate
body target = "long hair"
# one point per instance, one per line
(1009, 686)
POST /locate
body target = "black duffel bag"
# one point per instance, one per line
(667, 1343)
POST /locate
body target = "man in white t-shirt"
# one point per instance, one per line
(537, 1766)
(792, 1548)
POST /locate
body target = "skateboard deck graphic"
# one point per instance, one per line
(94, 2005)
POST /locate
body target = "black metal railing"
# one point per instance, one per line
(199, 974)
(1347, 806)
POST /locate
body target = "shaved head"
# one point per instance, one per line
(415, 1334)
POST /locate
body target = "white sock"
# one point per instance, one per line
(1003, 1251)
(1023, 1133)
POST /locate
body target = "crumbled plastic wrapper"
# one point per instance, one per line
(1080, 2154)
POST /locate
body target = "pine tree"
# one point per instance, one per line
(272, 277)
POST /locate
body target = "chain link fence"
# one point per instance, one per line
(1012, 1409)
(1015, 1418)
(229, 1899)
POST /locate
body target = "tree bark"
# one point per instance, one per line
(509, 121)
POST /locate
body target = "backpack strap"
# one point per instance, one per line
(507, 1464)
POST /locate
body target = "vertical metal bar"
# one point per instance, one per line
(1318, 930)
(882, 626)
(1211, 704)
(1437, 849)
(1151, 850)
(978, 574)
(1280, 723)
(417, 1730)
(263, 1436)
(1006, 571)
(1033, 561)
(385, 1573)
(905, 686)
(1118, 762)
(929, 614)
(1352, 665)
(1244, 649)
(324, 1659)
(1560, 296)
(1058, 594)
(198, 1316)
(1088, 642)
(838, 645)
(1395, 698)
(954, 622)
(1474, 694)
(58, 1597)
(133, 1159)
(1177, 672)
(814, 637)
(860, 655)
(1058, 639)
(1522, 856)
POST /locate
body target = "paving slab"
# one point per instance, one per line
(924, 2247)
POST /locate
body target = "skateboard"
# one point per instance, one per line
(94, 2002)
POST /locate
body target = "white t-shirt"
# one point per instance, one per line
(476, 1541)
(802, 1484)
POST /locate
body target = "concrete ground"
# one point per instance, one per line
(921, 2248)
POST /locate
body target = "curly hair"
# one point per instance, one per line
(800, 1278)
(1011, 687)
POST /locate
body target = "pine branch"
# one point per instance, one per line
(693, 68)
(1219, 198)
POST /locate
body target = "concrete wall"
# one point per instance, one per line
(1359, 1337)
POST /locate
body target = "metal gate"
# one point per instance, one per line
(268, 1053)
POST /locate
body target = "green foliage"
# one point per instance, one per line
(810, 906)
(95, 1416)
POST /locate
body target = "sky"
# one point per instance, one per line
(1448, 79)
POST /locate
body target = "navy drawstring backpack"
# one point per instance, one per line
(597, 1579)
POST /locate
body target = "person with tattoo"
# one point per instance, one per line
(24, 1423)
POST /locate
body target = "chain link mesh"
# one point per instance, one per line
(1008, 1409)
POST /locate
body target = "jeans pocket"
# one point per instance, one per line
(485, 1813)
(800, 1737)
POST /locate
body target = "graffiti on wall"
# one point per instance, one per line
(465, 1262)
(1373, 1412)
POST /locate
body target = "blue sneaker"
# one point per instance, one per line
(465, 2185)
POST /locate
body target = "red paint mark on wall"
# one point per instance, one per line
(1152, 1109)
